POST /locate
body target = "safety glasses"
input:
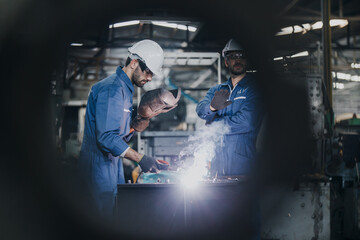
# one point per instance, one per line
(144, 68)
(233, 56)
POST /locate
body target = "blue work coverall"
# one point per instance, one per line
(235, 155)
(107, 126)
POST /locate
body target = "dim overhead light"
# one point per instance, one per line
(164, 24)
(290, 30)
(339, 22)
(174, 25)
(76, 44)
(317, 25)
(300, 54)
(297, 29)
(158, 23)
(337, 85)
(181, 27)
(307, 27)
(123, 24)
(192, 29)
(355, 65)
(346, 76)
(285, 31)
(278, 58)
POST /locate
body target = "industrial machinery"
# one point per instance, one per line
(165, 145)
(178, 205)
(343, 167)
(183, 201)
(177, 211)
(181, 205)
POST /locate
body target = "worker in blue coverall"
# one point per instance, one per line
(108, 123)
(237, 103)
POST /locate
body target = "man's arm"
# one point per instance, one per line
(109, 115)
(203, 107)
(133, 155)
(147, 164)
(247, 118)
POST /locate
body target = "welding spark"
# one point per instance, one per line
(201, 150)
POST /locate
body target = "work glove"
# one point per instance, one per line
(149, 164)
(163, 165)
(139, 123)
(220, 99)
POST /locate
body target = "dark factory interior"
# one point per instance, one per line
(304, 182)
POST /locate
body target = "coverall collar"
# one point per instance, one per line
(242, 82)
(122, 75)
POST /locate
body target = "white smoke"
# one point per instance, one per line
(201, 148)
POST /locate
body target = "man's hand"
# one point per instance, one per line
(139, 123)
(220, 100)
(149, 164)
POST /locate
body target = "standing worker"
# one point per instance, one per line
(108, 122)
(237, 103)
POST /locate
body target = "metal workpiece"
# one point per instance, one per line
(161, 177)
(157, 101)
(177, 177)
(302, 212)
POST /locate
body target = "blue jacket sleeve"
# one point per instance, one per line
(203, 107)
(248, 117)
(128, 137)
(109, 114)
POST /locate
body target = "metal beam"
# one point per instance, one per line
(318, 18)
(148, 19)
(295, 65)
(201, 79)
(341, 13)
(88, 63)
(326, 44)
(309, 10)
(288, 7)
(338, 47)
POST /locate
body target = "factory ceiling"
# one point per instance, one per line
(295, 28)
(203, 36)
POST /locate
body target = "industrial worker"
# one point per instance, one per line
(236, 103)
(108, 123)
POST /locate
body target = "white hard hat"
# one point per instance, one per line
(150, 53)
(231, 45)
